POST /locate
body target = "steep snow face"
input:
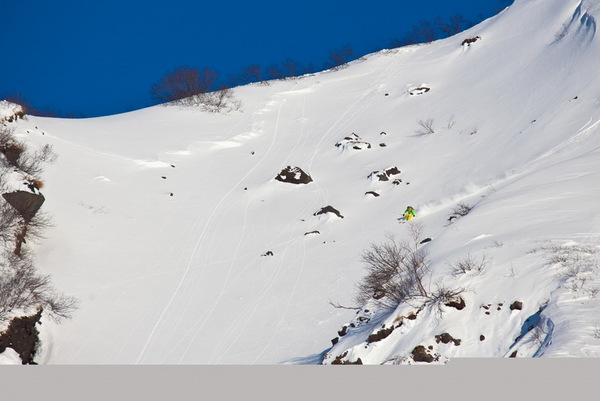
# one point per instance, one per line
(184, 248)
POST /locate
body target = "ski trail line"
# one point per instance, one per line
(213, 306)
(196, 246)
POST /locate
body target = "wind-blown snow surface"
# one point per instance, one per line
(182, 279)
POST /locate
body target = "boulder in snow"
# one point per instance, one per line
(353, 142)
(329, 209)
(293, 175)
(26, 203)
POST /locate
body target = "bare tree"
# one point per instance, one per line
(219, 101)
(252, 73)
(292, 68)
(182, 83)
(395, 271)
(425, 127)
(340, 58)
(469, 264)
(22, 289)
(32, 163)
(275, 71)
(455, 24)
(423, 32)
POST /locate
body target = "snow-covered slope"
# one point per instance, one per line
(183, 248)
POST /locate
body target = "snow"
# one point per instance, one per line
(10, 357)
(162, 215)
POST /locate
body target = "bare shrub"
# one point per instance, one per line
(10, 147)
(31, 230)
(469, 264)
(9, 220)
(292, 68)
(443, 295)
(455, 24)
(423, 32)
(23, 289)
(395, 270)
(340, 58)
(274, 71)
(250, 74)
(462, 209)
(219, 101)
(183, 83)
(32, 163)
(451, 122)
(425, 127)
(576, 264)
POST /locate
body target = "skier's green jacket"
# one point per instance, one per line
(409, 213)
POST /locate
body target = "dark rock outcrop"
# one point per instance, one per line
(385, 174)
(420, 354)
(419, 91)
(328, 209)
(380, 335)
(354, 142)
(468, 41)
(293, 175)
(458, 304)
(517, 305)
(26, 203)
(22, 336)
(446, 338)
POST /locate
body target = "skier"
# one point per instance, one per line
(409, 213)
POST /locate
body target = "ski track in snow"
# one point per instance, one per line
(214, 304)
(195, 250)
(204, 293)
(199, 325)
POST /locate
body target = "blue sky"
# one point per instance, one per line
(100, 57)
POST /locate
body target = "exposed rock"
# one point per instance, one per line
(312, 233)
(458, 304)
(419, 91)
(420, 354)
(446, 338)
(392, 171)
(373, 193)
(426, 240)
(22, 336)
(354, 142)
(328, 209)
(381, 176)
(470, 40)
(293, 175)
(26, 203)
(385, 174)
(339, 360)
(381, 334)
(517, 305)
